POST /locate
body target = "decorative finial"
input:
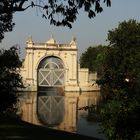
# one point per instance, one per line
(29, 40)
(73, 41)
(51, 40)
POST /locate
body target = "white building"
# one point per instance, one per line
(52, 65)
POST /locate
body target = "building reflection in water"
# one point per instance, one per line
(62, 114)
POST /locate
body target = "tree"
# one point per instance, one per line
(6, 23)
(10, 80)
(93, 58)
(67, 11)
(121, 82)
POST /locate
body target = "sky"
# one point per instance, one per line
(88, 32)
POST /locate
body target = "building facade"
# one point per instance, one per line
(52, 64)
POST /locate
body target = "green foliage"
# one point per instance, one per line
(10, 80)
(120, 83)
(6, 23)
(93, 58)
(67, 11)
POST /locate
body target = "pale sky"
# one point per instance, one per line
(89, 32)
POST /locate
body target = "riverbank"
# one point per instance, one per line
(11, 128)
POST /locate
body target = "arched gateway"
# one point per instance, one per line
(51, 64)
(51, 72)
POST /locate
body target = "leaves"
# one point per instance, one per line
(98, 8)
(6, 24)
(108, 2)
(93, 58)
(10, 80)
(59, 13)
(91, 14)
(121, 80)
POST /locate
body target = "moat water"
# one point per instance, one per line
(89, 127)
(63, 112)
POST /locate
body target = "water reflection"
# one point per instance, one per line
(61, 111)
(50, 109)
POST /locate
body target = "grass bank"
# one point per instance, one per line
(15, 129)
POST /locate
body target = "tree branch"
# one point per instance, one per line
(23, 9)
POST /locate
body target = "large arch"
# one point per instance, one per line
(51, 72)
(50, 82)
